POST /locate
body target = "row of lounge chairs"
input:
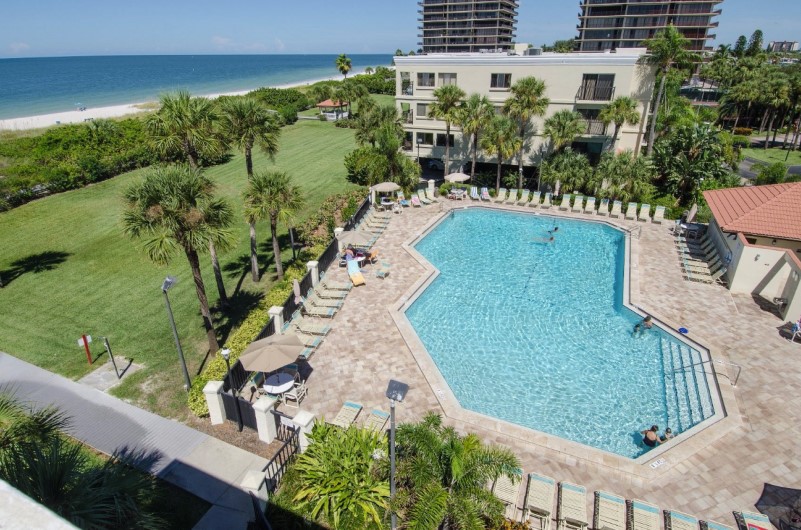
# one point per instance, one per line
(611, 512)
(699, 260)
(323, 302)
(347, 415)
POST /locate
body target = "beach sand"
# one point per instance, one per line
(115, 111)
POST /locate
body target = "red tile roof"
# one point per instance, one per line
(332, 104)
(770, 211)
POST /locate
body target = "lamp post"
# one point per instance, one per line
(396, 391)
(166, 286)
(419, 141)
(226, 354)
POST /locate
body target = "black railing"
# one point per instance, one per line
(290, 306)
(276, 467)
(267, 330)
(595, 127)
(245, 408)
(594, 93)
(354, 220)
(329, 255)
(306, 284)
(237, 377)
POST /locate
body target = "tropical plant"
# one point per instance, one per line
(369, 122)
(668, 49)
(771, 173)
(563, 127)
(320, 92)
(475, 114)
(755, 43)
(622, 176)
(343, 64)
(526, 101)
(21, 424)
(622, 110)
(569, 168)
(446, 108)
(271, 195)
(442, 477)
(501, 140)
(174, 209)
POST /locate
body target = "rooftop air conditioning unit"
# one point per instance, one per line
(533, 51)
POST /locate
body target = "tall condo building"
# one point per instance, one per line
(451, 26)
(611, 24)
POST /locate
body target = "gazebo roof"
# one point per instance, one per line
(327, 104)
(770, 211)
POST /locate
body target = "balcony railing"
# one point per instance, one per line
(595, 127)
(407, 89)
(408, 117)
(595, 93)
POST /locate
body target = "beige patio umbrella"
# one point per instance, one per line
(357, 238)
(457, 177)
(270, 354)
(386, 187)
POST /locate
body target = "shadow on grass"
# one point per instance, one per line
(35, 263)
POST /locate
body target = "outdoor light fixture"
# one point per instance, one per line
(419, 141)
(226, 354)
(396, 391)
(166, 285)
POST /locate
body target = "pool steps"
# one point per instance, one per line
(688, 397)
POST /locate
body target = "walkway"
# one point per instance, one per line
(198, 463)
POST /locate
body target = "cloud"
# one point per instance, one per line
(19, 47)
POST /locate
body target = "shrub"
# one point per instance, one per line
(741, 142)
(743, 131)
(322, 117)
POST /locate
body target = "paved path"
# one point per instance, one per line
(196, 462)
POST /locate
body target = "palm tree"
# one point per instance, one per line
(501, 140)
(475, 115)
(446, 108)
(527, 100)
(569, 168)
(369, 123)
(563, 127)
(343, 64)
(622, 109)
(666, 50)
(173, 209)
(442, 477)
(185, 124)
(623, 176)
(271, 195)
(21, 424)
(246, 122)
(321, 92)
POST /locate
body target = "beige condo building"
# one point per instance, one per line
(583, 82)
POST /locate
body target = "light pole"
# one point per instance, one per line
(419, 141)
(396, 391)
(166, 286)
(226, 354)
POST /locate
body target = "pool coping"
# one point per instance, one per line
(654, 462)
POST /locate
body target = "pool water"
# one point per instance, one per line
(535, 332)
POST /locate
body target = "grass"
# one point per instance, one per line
(774, 155)
(381, 99)
(68, 269)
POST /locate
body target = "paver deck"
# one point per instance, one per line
(723, 473)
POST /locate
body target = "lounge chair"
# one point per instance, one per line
(712, 525)
(383, 271)
(645, 213)
(507, 490)
(565, 202)
(754, 520)
(474, 193)
(377, 420)
(716, 276)
(355, 273)
(701, 265)
(535, 199)
(315, 311)
(538, 503)
(659, 215)
(578, 204)
(310, 342)
(347, 415)
(416, 201)
(422, 195)
(631, 211)
(334, 285)
(501, 195)
(546, 202)
(430, 195)
(590, 206)
(307, 326)
(571, 508)
(512, 198)
(402, 199)
(314, 299)
(603, 208)
(643, 516)
(610, 511)
(322, 292)
(485, 195)
(616, 208)
(523, 198)
(680, 521)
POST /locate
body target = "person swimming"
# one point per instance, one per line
(646, 323)
(650, 437)
(549, 239)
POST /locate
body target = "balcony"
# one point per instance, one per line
(595, 93)
(594, 127)
(407, 88)
(407, 117)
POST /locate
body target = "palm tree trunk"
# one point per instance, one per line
(475, 151)
(498, 176)
(215, 263)
(767, 133)
(254, 259)
(614, 136)
(652, 132)
(279, 269)
(249, 161)
(737, 118)
(520, 156)
(763, 121)
(447, 147)
(194, 263)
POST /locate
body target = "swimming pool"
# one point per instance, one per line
(536, 332)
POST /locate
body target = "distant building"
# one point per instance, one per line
(451, 26)
(783, 46)
(613, 24)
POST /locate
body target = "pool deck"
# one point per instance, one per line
(719, 470)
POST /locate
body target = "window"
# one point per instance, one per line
(501, 80)
(425, 80)
(441, 140)
(422, 110)
(425, 138)
(597, 87)
(447, 79)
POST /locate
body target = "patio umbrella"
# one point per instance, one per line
(781, 505)
(457, 177)
(386, 187)
(270, 354)
(356, 238)
(693, 211)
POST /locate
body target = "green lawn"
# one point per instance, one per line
(68, 270)
(381, 99)
(774, 155)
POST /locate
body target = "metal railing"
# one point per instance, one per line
(329, 255)
(274, 469)
(595, 93)
(736, 366)
(237, 377)
(267, 330)
(594, 127)
(357, 217)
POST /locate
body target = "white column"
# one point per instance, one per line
(277, 312)
(212, 390)
(315, 275)
(254, 482)
(337, 231)
(304, 421)
(265, 421)
(431, 187)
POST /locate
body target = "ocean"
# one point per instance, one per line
(31, 87)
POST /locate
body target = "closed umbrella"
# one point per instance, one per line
(272, 353)
(457, 177)
(296, 290)
(356, 238)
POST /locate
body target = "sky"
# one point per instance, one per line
(44, 28)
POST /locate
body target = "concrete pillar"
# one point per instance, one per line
(277, 312)
(315, 275)
(303, 421)
(254, 482)
(265, 421)
(431, 187)
(213, 391)
(337, 231)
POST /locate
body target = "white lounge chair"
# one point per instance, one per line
(535, 199)
(754, 519)
(643, 516)
(507, 491)
(617, 206)
(571, 508)
(603, 208)
(680, 521)
(501, 195)
(523, 198)
(512, 198)
(538, 504)
(377, 420)
(546, 202)
(430, 195)
(713, 277)
(565, 202)
(421, 194)
(590, 206)
(578, 204)
(631, 211)
(474, 193)
(713, 525)
(659, 215)
(610, 511)
(485, 195)
(645, 213)
(347, 414)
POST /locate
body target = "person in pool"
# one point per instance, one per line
(650, 437)
(646, 323)
(667, 436)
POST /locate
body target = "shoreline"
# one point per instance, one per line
(116, 111)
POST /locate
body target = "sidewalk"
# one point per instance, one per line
(200, 464)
